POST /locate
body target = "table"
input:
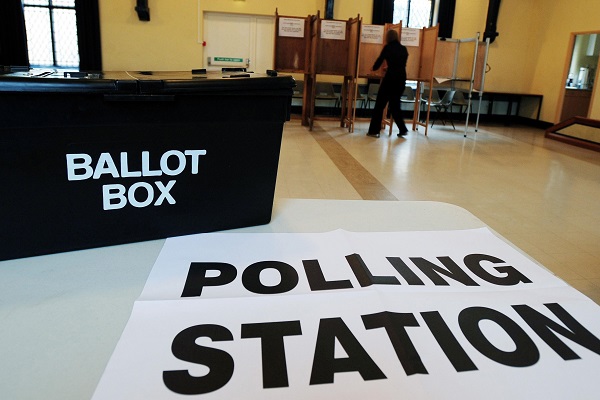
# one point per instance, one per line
(62, 315)
(511, 98)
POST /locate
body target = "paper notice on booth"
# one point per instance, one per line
(411, 37)
(453, 314)
(372, 34)
(335, 30)
(291, 27)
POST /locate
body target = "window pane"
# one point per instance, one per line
(413, 13)
(400, 11)
(65, 38)
(39, 40)
(420, 11)
(64, 3)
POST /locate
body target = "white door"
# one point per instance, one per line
(234, 40)
(264, 44)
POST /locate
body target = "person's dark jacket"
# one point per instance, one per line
(396, 55)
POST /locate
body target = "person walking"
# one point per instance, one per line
(392, 85)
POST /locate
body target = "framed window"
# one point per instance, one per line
(414, 13)
(51, 33)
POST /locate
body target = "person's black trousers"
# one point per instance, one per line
(388, 93)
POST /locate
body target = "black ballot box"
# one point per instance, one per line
(89, 160)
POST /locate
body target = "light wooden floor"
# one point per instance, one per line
(542, 195)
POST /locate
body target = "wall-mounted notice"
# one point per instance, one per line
(372, 34)
(291, 27)
(410, 37)
(333, 30)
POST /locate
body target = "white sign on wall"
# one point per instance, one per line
(454, 314)
(410, 37)
(372, 34)
(333, 30)
(291, 27)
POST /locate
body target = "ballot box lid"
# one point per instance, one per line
(141, 82)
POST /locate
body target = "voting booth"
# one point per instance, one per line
(292, 52)
(462, 68)
(422, 71)
(372, 41)
(421, 47)
(89, 160)
(313, 46)
(334, 51)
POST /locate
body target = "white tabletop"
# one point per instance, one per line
(62, 315)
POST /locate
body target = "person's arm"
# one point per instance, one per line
(380, 59)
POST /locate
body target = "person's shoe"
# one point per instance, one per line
(373, 134)
(402, 133)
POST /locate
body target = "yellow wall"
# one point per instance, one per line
(559, 21)
(510, 51)
(346, 9)
(167, 42)
(172, 39)
(529, 55)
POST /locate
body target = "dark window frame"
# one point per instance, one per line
(431, 12)
(51, 7)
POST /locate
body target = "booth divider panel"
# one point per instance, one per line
(413, 63)
(291, 53)
(332, 57)
(480, 66)
(466, 55)
(353, 39)
(315, 25)
(445, 54)
(368, 54)
(428, 46)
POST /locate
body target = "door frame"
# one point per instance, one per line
(202, 15)
(563, 89)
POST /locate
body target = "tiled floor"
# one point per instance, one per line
(542, 195)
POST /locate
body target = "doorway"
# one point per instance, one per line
(236, 40)
(580, 75)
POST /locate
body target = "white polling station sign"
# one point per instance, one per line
(454, 314)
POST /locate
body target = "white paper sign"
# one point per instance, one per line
(338, 254)
(454, 314)
(291, 27)
(333, 30)
(410, 37)
(372, 34)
